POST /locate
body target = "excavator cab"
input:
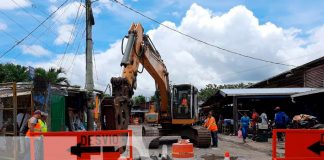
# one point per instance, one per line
(184, 104)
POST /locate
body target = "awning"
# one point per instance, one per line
(312, 92)
(263, 91)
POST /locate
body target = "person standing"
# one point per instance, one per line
(34, 126)
(212, 127)
(255, 117)
(245, 121)
(264, 118)
(42, 121)
(281, 120)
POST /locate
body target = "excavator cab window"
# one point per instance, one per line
(182, 103)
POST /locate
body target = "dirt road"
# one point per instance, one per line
(238, 150)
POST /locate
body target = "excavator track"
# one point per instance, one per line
(151, 135)
(202, 136)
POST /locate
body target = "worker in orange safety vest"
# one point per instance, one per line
(212, 127)
(33, 124)
(184, 104)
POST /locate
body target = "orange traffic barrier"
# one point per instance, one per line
(182, 149)
(299, 144)
(227, 156)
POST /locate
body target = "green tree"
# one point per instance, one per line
(13, 73)
(138, 100)
(52, 75)
(211, 89)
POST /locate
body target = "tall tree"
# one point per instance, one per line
(138, 100)
(52, 75)
(13, 73)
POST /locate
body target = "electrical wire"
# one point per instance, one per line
(19, 25)
(94, 60)
(71, 35)
(199, 40)
(35, 18)
(77, 51)
(24, 38)
(16, 40)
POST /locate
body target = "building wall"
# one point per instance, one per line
(314, 77)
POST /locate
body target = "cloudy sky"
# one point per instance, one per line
(290, 32)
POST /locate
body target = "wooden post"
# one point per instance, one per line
(31, 103)
(235, 115)
(14, 103)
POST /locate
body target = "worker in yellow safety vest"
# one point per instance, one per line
(33, 124)
(42, 121)
(212, 127)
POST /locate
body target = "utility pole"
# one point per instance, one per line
(89, 71)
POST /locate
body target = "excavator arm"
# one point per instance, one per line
(139, 50)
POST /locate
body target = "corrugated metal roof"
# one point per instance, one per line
(308, 93)
(263, 91)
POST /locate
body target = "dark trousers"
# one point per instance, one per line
(214, 138)
(279, 134)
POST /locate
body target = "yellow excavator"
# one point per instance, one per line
(176, 109)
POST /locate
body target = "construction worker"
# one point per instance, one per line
(33, 124)
(212, 127)
(184, 104)
(42, 121)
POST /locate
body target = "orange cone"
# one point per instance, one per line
(226, 156)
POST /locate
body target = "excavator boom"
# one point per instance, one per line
(139, 50)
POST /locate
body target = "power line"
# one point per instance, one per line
(16, 40)
(95, 66)
(71, 35)
(19, 25)
(201, 41)
(33, 16)
(20, 41)
(77, 51)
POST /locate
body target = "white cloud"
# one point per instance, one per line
(67, 12)
(66, 18)
(189, 61)
(64, 34)
(9, 4)
(3, 26)
(35, 50)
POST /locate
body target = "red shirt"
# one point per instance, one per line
(184, 102)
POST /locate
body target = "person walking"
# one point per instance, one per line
(245, 121)
(281, 120)
(212, 127)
